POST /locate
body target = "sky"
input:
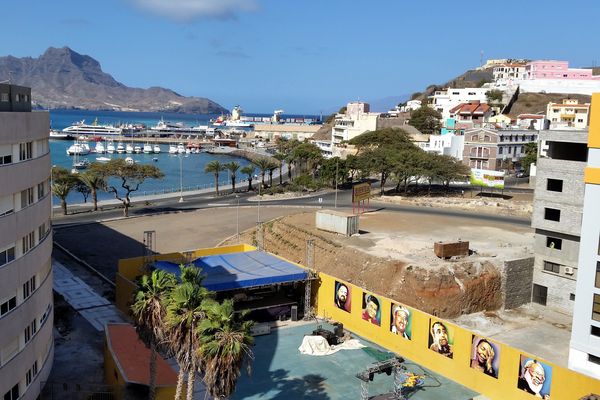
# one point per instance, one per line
(306, 57)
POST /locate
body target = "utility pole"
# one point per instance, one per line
(336, 181)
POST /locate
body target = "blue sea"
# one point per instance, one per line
(192, 165)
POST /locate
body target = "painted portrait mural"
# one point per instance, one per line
(342, 296)
(371, 309)
(401, 321)
(485, 356)
(535, 377)
(441, 338)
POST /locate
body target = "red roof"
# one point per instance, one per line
(474, 107)
(133, 357)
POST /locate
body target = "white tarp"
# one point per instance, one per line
(318, 346)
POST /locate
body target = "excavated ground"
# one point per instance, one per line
(393, 256)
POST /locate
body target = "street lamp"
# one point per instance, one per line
(180, 179)
(237, 218)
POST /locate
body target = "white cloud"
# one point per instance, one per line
(187, 10)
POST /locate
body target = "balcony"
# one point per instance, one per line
(25, 174)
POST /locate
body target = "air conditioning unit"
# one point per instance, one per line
(569, 270)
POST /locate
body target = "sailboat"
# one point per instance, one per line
(156, 149)
(110, 147)
(147, 148)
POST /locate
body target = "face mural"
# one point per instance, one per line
(371, 309)
(535, 377)
(342, 296)
(440, 338)
(401, 318)
(485, 356)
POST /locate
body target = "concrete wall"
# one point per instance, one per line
(567, 86)
(517, 276)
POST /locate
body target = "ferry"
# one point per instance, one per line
(81, 128)
(235, 120)
(176, 127)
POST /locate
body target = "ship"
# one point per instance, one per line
(81, 128)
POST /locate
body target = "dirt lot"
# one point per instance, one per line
(394, 256)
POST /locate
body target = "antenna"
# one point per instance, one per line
(481, 58)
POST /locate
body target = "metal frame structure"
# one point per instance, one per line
(389, 366)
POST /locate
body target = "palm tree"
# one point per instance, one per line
(290, 159)
(263, 164)
(184, 312)
(62, 184)
(281, 158)
(94, 181)
(225, 346)
(232, 167)
(148, 311)
(248, 170)
(215, 167)
(272, 167)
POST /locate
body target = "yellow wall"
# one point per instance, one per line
(565, 385)
(594, 129)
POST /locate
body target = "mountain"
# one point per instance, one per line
(63, 78)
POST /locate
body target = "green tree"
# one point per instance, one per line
(531, 153)
(149, 311)
(130, 176)
(409, 167)
(309, 156)
(494, 96)
(85, 191)
(184, 313)
(426, 120)
(62, 184)
(233, 168)
(272, 167)
(225, 346)
(94, 181)
(249, 171)
(263, 164)
(280, 157)
(214, 167)
(334, 170)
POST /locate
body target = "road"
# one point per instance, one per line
(319, 200)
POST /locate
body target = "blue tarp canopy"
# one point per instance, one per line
(241, 270)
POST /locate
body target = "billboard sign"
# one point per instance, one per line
(487, 178)
(361, 191)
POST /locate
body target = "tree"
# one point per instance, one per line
(309, 156)
(280, 157)
(184, 313)
(131, 176)
(531, 153)
(214, 167)
(494, 96)
(85, 191)
(233, 168)
(62, 184)
(225, 347)
(426, 120)
(272, 167)
(263, 164)
(248, 170)
(334, 170)
(409, 168)
(149, 311)
(94, 180)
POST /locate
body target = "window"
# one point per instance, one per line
(7, 255)
(6, 159)
(596, 308)
(554, 243)
(552, 267)
(4, 97)
(43, 231)
(597, 284)
(29, 287)
(500, 149)
(31, 373)
(46, 314)
(26, 197)
(572, 296)
(30, 330)
(594, 359)
(540, 294)
(12, 394)
(25, 151)
(8, 305)
(41, 190)
(552, 214)
(28, 242)
(554, 185)
(595, 331)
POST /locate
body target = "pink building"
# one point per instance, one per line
(552, 69)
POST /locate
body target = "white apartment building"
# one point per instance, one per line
(584, 354)
(355, 121)
(444, 100)
(508, 71)
(448, 144)
(568, 115)
(26, 308)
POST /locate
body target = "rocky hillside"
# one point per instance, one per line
(536, 103)
(63, 78)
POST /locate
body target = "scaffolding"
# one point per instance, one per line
(312, 275)
(392, 366)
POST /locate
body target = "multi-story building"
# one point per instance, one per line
(568, 114)
(509, 71)
(473, 114)
(557, 207)
(553, 69)
(26, 316)
(444, 100)
(495, 149)
(355, 121)
(584, 354)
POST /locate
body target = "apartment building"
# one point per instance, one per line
(584, 354)
(472, 114)
(445, 99)
(556, 219)
(493, 149)
(568, 115)
(509, 71)
(26, 315)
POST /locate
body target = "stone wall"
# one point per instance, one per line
(517, 279)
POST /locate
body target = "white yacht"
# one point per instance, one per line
(110, 148)
(156, 149)
(81, 128)
(60, 135)
(129, 148)
(83, 164)
(172, 149)
(78, 148)
(103, 159)
(147, 148)
(180, 148)
(137, 149)
(99, 149)
(120, 148)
